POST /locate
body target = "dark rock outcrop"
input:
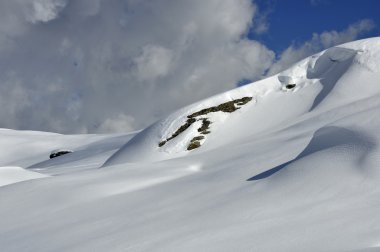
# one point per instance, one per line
(227, 107)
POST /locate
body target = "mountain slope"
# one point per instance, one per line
(279, 168)
(325, 80)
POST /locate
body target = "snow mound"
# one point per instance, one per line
(10, 175)
(345, 147)
(317, 81)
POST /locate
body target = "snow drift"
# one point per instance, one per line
(272, 106)
(10, 175)
(277, 169)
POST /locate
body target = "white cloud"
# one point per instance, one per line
(119, 123)
(332, 38)
(45, 10)
(95, 66)
(320, 42)
(260, 23)
(154, 62)
(76, 66)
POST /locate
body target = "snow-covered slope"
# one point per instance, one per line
(323, 82)
(273, 169)
(10, 175)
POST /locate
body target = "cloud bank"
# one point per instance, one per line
(89, 66)
(319, 42)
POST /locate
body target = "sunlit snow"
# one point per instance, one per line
(293, 170)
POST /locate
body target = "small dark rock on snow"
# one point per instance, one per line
(58, 153)
(194, 145)
(290, 86)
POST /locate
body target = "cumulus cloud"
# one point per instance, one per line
(154, 62)
(44, 10)
(319, 42)
(88, 66)
(119, 123)
(94, 66)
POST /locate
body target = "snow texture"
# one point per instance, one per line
(292, 170)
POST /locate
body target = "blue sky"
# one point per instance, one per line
(294, 21)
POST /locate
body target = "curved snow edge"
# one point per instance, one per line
(13, 174)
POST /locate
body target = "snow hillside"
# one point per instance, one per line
(318, 87)
(288, 163)
(10, 175)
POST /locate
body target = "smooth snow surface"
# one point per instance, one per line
(10, 175)
(292, 170)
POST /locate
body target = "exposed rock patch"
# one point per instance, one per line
(197, 138)
(227, 107)
(194, 145)
(195, 142)
(57, 153)
(290, 86)
(181, 129)
(205, 126)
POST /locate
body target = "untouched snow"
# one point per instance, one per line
(292, 170)
(10, 175)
